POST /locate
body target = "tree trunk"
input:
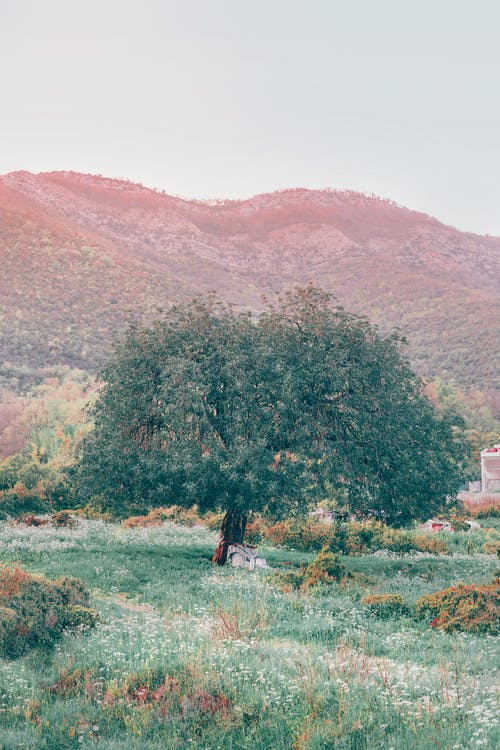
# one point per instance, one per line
(232, 531)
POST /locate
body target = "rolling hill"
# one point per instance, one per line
(81, 255)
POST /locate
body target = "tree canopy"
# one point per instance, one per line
(266, 413)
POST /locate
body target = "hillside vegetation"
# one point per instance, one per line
(81, 255)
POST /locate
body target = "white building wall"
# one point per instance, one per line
(490, 469)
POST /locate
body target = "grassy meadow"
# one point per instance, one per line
(188, 655)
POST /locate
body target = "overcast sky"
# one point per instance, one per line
(228, 98)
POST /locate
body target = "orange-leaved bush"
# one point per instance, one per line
(472, 608)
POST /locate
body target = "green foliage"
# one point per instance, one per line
(307, 536)
(211, 407)
(398, 541)
(326, 568)
(476, 428)
(433, 544)
(492, 511)
(348, 538)
(385, 606)
(35, 611)
(9, 628)
(471, 608)
(28, 485)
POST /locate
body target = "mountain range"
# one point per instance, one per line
(81, 255)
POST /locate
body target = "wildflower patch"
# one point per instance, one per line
(385, 606)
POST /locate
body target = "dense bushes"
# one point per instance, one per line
(308, 536)
(63, 518)
(19, 499)
(27, 485)
(472, 608)
(174, 513)
(346, 538)
(34, 611)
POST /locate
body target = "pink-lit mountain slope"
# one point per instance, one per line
(82, 254)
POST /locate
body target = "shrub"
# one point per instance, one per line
(291, 579)
(64, 518)
(176, 514)
(284, 533)
(491, 511)
(385, 606)
(432, 544)
(325, 568)
(138, 521)
(14, 501)
(361, 536)
(471, 608)
(491, 548)
(93, 512)
(316, 535)
(9, 625)
(356, 537)
(156, 516)
(352, 538)
(79, 616)
(309, 536)
(29, 519)
(34, 611)
(31, 485)
(398, 541)
(459, 523)
(256, 530)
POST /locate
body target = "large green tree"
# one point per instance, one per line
(265, 414)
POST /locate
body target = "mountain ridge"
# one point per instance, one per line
(81, 254)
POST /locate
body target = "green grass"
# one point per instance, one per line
(249, 666)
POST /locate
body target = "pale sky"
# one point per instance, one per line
(225, 98)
